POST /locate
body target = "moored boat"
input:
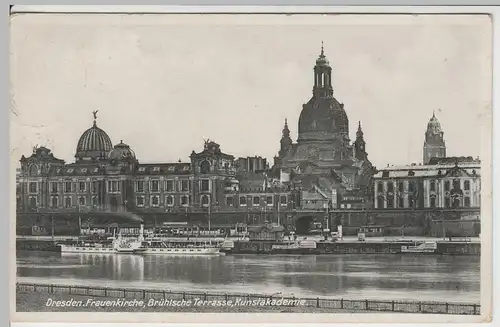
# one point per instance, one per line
(419, 247)
(180, 247)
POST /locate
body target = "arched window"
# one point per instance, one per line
(33, 170)
(67, 202)
(433, 201)
(467, 202)
(380, 187)
(390, 187)
(204, 200)
(33, 202)
(467, 185)
(380, 202)
(390, 202)
(54, 202)
(205, 167)
(433, 186)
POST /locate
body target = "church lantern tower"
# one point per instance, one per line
(434, 145)
(322, 76)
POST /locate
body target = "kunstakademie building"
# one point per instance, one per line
(322, 180)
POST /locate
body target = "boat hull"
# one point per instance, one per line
(181, 251)
(86, 249)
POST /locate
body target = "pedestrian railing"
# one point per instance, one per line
(258, 299)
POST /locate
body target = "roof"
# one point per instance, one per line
(42, 153)
(423, 171)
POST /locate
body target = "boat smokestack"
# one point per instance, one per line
(141, 231)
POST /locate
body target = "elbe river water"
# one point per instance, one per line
(351, 276)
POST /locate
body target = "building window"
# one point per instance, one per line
(411, 187)
(82, 201)
(283, 200)
(467, 185)
(256, 200)
(54, 202)
(184, 185)
(155, 201)
(32, 187)
(433, 202)
(113, 186)
(184, 200)
(33, 203)
(205, 167)
(380, 187)
(169, 185)
(456, 184)
(447, 202)
(243, 200)
(401, 187)
(433, 186)
(67, 202)
(81, 186)
(229, 201)
(53, 187)
(467, 202)
(390, 202)
(204, 200)
(155, 185)
(380, 202)
(390, 187)
(401, 202)
(140, 201)
(269, 200)
(95, 187)
(410, 201)
(205, 185)
(95, 200)
(169, 200)
(67, 187)
(447, 185)
(139, 186)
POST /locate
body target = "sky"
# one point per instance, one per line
(164, 83)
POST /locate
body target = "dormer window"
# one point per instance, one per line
(171, 168)
(84, 170)
(186, 168)
(96, 170)
(142, 169)
(70, 170)
(156, 169)
(58, 170)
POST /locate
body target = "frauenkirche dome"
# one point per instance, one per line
(323, 117)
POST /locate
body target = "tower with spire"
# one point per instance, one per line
(434, 144)
(360, 145)
(286, 141)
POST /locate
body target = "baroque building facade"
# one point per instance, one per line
(330, 172)
(440, 191)
(320, 181)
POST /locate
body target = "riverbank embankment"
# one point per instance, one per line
(70, 298)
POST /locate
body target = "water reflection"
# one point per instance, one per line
(443, 278)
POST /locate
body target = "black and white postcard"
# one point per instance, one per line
(301, 167)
